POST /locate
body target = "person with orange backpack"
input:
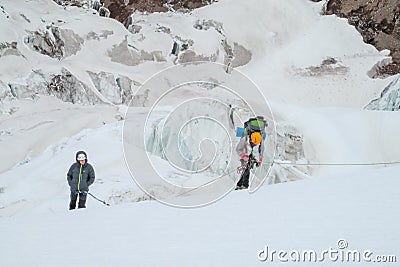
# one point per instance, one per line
(251, 147)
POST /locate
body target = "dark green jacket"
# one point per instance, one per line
(80, 177)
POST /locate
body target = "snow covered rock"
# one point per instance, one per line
(4, 90)
(68, 88)
(55, 42)
(377, 21)
(64, 86)
(7, 49)
(127, 54)
(329, 66)
(117, 89)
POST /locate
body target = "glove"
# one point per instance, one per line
(84, 193)
(75, 193)
(244, 157)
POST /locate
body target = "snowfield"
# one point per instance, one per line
(360, 206)
(68, 75)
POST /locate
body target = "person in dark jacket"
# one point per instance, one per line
(80, 176)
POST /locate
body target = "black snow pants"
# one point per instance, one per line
(244, 180)
(81, 203)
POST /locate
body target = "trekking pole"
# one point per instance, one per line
(102, 201)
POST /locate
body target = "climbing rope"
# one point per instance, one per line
(296, 164)
(336, 164)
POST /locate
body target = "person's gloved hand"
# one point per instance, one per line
(75, 193)
(84, 193)
(244, 157)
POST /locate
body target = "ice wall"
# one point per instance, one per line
(389, 99)
(205, 145)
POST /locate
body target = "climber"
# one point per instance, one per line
(252, 138)
(80, 176)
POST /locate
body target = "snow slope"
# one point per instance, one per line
(312, 69)
(313, 214)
